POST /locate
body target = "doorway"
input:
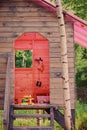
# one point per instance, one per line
(31, 69)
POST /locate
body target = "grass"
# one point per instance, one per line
(33, 122)
(1, 120)
(81, 118)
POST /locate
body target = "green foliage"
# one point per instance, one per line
(23, 58)
(81, 116)
(77, 6)
(1, 119)
(81, 65)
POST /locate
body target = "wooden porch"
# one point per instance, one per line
(9, 117)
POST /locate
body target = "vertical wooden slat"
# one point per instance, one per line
(7, 97)
(11, 117)
(52, 118)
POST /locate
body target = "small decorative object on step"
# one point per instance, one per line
(28, 100)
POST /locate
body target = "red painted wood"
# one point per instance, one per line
(32, 81)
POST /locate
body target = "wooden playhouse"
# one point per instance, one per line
(30, 58)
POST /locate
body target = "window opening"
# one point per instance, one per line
(23, 58)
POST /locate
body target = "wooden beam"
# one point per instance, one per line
(59, 117)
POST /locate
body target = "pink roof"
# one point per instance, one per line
(80, 26)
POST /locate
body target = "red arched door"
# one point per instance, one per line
(31, 67)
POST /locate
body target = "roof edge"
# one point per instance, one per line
(47, 3)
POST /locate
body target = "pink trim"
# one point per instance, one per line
(80, 35)
(80, 30)
(77, 40)
(75, 18)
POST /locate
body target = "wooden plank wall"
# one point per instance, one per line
(2, 80)
(19, 16)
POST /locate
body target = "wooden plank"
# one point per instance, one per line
(2, 82)
(27, 24)
(27, 14)
(72, 70)
(32, 128)
(20, 9)
(52, 117)
(3, 65)
(5, 45)
(32, 18)
(54, 49)
(41, 23)
(17, 4)
(2, 60)
(27, 29)
(57, 60)
(57, 55)
(2, 71)
(16, 34)
(55, 65)
(59, 86)
(5, 50)
(31, 116)
(2, 89)
(59, 75)
(2, 76)
(35, 106)
(55, 75)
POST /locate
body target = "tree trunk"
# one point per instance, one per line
(64, 62)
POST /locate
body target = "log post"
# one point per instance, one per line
(64, 62)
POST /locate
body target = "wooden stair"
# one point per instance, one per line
(32, 128)
(24, 116)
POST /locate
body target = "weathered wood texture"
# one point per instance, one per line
(32, 128)
(2, 79)
(34, 115)
(18, 17)
(7, 96)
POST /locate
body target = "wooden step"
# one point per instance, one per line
(31, 116)
(35, 106)
(32, 128)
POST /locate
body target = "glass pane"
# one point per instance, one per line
(23, 58)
